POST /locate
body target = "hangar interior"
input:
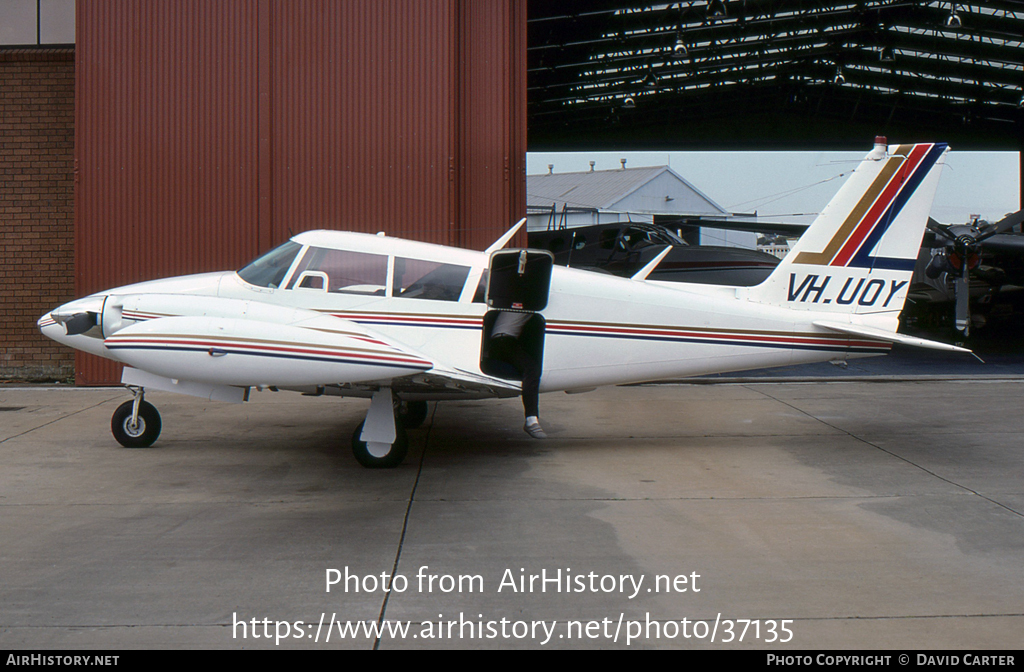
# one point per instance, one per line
(773, 74)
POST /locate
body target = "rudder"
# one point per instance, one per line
(859, 254)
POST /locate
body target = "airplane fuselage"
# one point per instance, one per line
(600, 329)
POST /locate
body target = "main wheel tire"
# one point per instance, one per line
(394, 456)
(144, 434)
(412, 413)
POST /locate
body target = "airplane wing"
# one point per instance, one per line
(1005, 243)
(446, 383)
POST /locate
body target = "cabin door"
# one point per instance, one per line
(518, 282)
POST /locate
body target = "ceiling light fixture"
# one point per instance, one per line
(953, 20)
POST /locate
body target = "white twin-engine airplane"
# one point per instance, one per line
(404, 322)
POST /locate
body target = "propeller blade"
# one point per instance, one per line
(79, 323)
(940, 229)
(1010, 221)
(1003, 225)
(962, 289)
(963, 310)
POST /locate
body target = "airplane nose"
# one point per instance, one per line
(77, 317)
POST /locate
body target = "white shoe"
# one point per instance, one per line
(534, 429)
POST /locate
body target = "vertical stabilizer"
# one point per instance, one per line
(859, 254)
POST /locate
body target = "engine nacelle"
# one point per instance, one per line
(247, 352)
(126, 310)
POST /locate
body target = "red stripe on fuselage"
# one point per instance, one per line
(682, 333)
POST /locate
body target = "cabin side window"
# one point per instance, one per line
(420, 279)
(341, 271)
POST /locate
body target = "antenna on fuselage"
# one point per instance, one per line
(642, 274)
(501, 242)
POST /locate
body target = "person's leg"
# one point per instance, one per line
(531, 370)
(531, 391)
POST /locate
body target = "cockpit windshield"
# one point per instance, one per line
(636, 236)
(269, 270)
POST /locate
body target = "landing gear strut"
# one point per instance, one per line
(380, 441)
(411, 414)
(136, 423)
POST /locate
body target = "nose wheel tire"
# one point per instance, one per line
(143, 433)
(380, 456)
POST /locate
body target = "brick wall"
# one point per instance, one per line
(37, 114)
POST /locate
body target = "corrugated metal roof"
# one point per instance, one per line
(600, 189)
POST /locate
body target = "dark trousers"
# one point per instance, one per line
(509, 349)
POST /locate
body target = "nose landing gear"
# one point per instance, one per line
(136, 423)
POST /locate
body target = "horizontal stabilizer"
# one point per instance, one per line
(890, 336)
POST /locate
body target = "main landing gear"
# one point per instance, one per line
(381, 440)
(136, 423)
(411, 414)
(380, 454)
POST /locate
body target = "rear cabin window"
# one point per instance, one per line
(344, 272)
(480, 296)
(419, 279)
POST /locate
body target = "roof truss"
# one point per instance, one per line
(703, 73)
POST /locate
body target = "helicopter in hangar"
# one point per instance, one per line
(403, 322)
(623, 248)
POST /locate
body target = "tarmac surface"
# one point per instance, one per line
(840, 513)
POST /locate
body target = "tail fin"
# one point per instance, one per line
(859, 254)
